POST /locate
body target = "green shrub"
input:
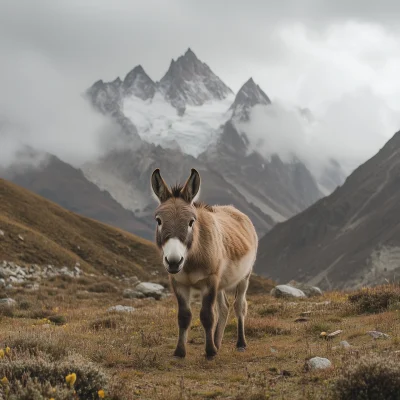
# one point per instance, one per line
(89, 379)
(32, 389)
(370, 378)
(375, 300)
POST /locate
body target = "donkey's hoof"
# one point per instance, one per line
(210, 354)
(178, 353)
(241, 349)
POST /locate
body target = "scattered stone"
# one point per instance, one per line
(7, 301)
(378, 335)
(334, 334)
(20, 237)
(273, 350)
(120, 308)
(345, 344)
(1, 233)
(286, 291)
(32, 286)
(150, 289)
(318, 363)
(308, 290)
(133, 294)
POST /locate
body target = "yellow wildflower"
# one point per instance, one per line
(101, 394)
(52, 398)
(70, 379)
(1, 353)
(4, 381)
(8, 350)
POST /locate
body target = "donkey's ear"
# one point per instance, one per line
(191, 190)
(160, 188)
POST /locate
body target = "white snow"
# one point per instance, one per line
(159, 123)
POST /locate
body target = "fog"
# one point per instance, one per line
(341, 62)
(349, 130)
(43, 109)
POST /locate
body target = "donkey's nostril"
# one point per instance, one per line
(174, 264)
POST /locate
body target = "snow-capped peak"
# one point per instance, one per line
(139, 84)
(189, 81)
(249, 95)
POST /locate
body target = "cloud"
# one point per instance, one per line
(349, 130)
(40, 108)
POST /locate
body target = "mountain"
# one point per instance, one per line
(346, 240)
(68, 187)
(53, 235)
(249, 95)
(191, 118)
(189, 81)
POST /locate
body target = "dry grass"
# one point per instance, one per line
(135, 350)
(53, 235)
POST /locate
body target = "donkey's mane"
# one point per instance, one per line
(176, 192)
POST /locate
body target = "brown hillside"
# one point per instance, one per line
(67, 186)
(347, 239)
(53, 235)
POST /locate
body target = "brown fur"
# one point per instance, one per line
(221, 247)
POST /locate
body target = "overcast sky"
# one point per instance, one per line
(311, 53)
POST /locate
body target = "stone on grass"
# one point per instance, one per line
(378, 335)
(150, 289)
(120, 308)
(286, 291)
(308, 290)
(345, 344)
(7, 301)
(318, 363)
(1, 233)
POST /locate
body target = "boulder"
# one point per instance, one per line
(286, 291)
(149, 289)
(120, 308)
(318, 363)
(308, 290)
(7, 301)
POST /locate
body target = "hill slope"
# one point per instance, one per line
(53, 235)
(347, 239)
(67, 186)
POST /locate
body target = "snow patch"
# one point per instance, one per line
(159, 123)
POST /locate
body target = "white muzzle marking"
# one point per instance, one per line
(173, 250)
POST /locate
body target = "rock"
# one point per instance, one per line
(133, 294)
(150, 289)
(286, 291)
(345, 344)
(1, 233)
(334, 334)
(7, 301)
(318, 363)
(308, 290)
(32, 286)
(378, 335)
(20, 237)
(2, 282)
(120, 308)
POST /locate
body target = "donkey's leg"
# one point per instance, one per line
(223, 312)
(207, 317)
(182, 294)
(240, 306)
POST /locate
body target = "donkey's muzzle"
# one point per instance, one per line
(174, 265)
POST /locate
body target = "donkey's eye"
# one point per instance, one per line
(158, 221)
(191, 223)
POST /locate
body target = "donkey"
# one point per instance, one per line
(208, 250)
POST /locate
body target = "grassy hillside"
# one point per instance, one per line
(53, 235)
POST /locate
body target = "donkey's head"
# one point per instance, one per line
(176, 217)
